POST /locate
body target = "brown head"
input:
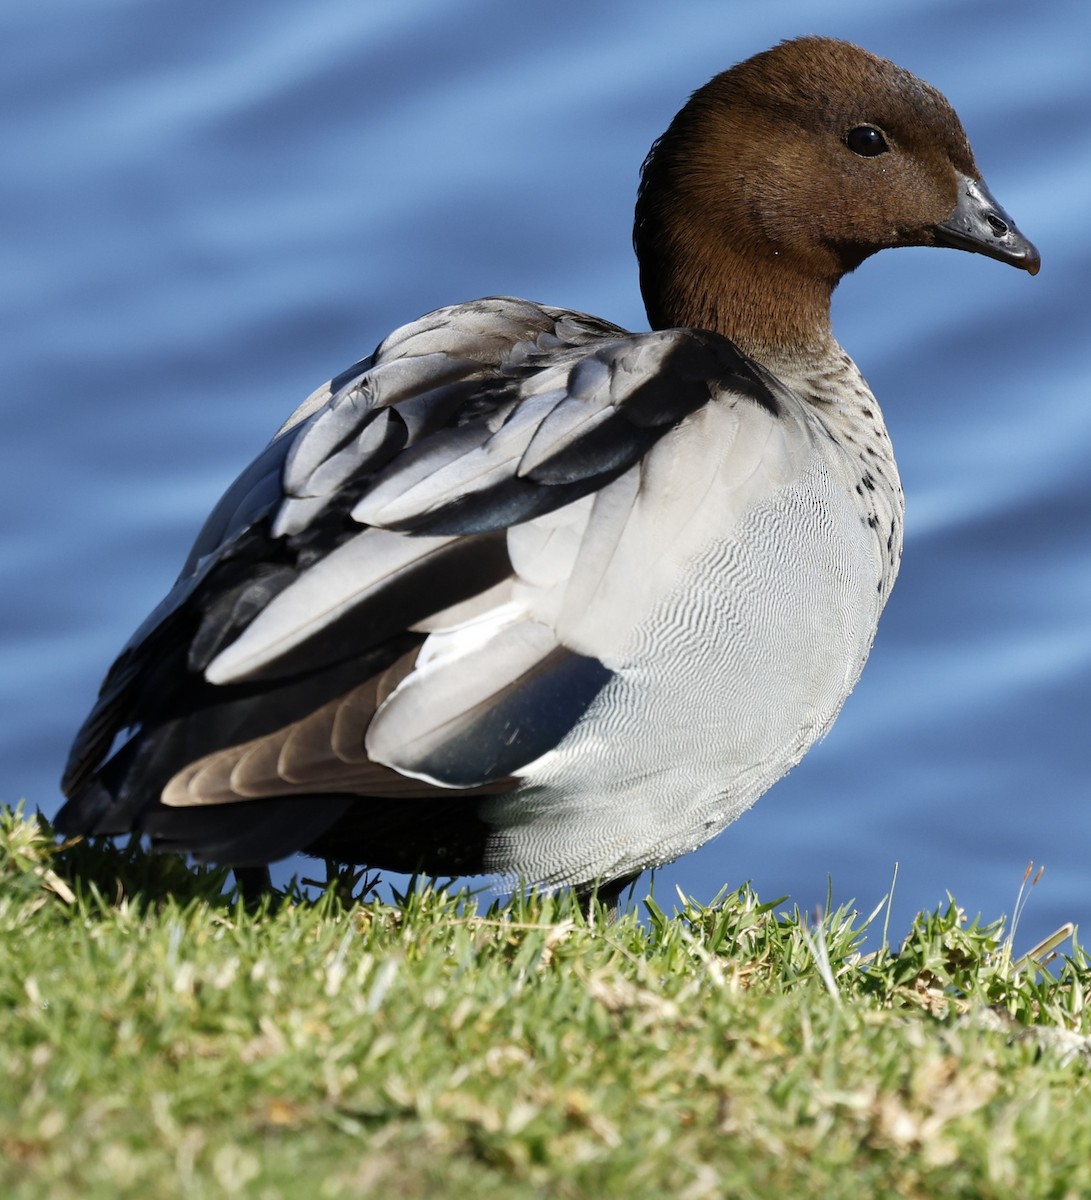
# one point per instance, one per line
(787, 171)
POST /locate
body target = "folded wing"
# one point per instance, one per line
(415, 590)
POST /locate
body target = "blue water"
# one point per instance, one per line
(208, 209)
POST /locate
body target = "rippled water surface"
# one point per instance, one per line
(208, 209)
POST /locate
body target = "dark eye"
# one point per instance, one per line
(866, 140)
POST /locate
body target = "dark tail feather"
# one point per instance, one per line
(247, 834)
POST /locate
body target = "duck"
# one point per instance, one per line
(527, 595)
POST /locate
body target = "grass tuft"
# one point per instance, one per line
(157, 1037)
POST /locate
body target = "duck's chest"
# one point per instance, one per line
(861, 455)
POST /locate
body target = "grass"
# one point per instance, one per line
(156, 1038)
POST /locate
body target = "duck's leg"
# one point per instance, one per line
(253, 883)
(606, 893)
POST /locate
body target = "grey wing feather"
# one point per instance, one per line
(466, 474)
(479, 465)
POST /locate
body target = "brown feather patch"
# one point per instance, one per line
(322, 753)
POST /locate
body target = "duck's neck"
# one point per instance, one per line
(769, 307)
